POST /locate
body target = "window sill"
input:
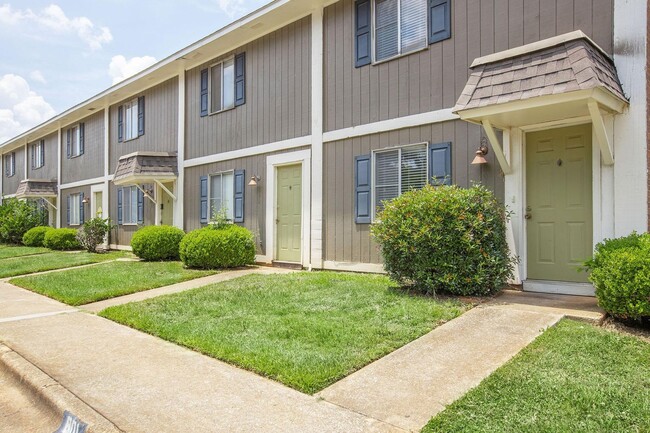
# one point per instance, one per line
(399, 56)
(75, 156)
(37, 168)
(129, 224)
(131, 139)
(223, 111)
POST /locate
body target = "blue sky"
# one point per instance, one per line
(58, 53)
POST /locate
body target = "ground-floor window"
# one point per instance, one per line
(399, 170)
(130, 205)
(74, 204)
(221, 194)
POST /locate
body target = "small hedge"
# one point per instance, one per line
(35, 237)
(216, 248)
(446, 238)
(17, 217)
(61, 239)
(620, 272)
(156, 243)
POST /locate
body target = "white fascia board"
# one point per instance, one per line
(94, 181)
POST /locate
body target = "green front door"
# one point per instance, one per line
(559, 203)
(289, 214)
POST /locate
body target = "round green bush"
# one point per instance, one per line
(620, 272)
(210, 248)
(61, 239)
(446, 238)
(156, 243)
(35, 237)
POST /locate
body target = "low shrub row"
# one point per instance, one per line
(212, 247)
(16, 218)
(62, 239)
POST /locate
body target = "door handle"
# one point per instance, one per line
(528, 215)
(277, 221)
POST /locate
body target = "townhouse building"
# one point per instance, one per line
(299, 119)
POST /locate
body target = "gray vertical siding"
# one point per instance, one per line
(49, 170)
(90, 165)
(161, 123)
(63, 207)
(122, 234)
(278, 79)
(10, 184)
(254, 197)
(346, 241)
(432, 79)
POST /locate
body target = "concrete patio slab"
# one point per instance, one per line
(143, 384)
(411, 385)
(577, 307)
(96, 307)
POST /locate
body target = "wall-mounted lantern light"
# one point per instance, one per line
(254, 180)
(480, 153)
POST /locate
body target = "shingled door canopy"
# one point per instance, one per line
(146, 167)
(564, 77)
(37, 188)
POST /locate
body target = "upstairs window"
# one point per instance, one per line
(75, 140)
(10, 164)
(130, 120)
(400, 27)
(222, 194)
(222, 86)
(38, 154)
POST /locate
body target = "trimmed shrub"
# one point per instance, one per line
(210, 248)
(156, 243)
(16, 218)
(35, 237)
(93, 232)
(620, 272)
(61, 239)
(446, 238)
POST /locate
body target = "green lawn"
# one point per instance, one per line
(7, 251)
(306, 330)
(107, 280)
(53, 260)
(573, 378)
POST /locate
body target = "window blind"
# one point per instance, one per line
(386, 29)
(413, 25)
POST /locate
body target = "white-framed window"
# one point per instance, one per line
(38, 154)
(130, 124)
(10, 164)
(75, 141)
(400, 27)
(221, 193)
(130, 205)
(398, 170)
(222, 86)
(75, 205)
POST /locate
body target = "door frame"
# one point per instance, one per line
(302, 157)
(159, 194)
(93, 205)
(515, 188)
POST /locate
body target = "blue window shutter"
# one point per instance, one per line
(82, 134)
(13, 163)
(140, 206)
(81, 208)
(42, 161)
(440, 164)
(33, 149)
(240, 186)
(362, 45)
(119, 206)
(240, 79)
(68, 209)
(120, 124)
(69, 144)
(204, 93)
(439, 20)
(140, 116)
(203, 191)
(362, 196)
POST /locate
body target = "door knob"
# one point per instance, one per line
(277, 221)
(528, 215)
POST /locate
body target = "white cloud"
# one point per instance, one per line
(38, 77)
(120, 68)
(20, 107)
(232, 7)
(54, 19)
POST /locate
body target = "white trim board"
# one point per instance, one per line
(250, 151)
(397, 123)
(370, 268)
(300, 157)
(83, 183)
(559, 287)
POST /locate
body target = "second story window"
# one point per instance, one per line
(222, 86)
(130, 120)
(10, 164)
(75, 141)
(400, 27)
(38, 154)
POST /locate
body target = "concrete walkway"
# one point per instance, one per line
(140, 383)
(96, 307)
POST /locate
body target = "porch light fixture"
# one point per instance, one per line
(254, 180)
(86, 200)
(479, 159)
